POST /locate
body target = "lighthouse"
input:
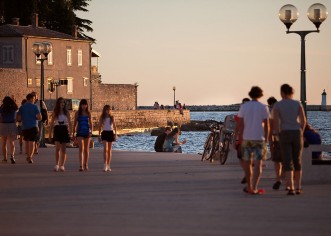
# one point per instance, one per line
(323, 105)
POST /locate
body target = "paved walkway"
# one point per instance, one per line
(151, 194)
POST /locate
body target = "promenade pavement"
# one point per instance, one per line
(151, 194)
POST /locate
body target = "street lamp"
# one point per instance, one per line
(39, 49)
(316, 13)
(174, 88)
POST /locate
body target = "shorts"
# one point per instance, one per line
(254, 150)
(291, 143)
(83, 135)
(8, 129)
(108, 135)
(61, 134)
(30, 134)
(276, 154)
(239, 150)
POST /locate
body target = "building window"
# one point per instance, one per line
(86, 80)
(29, 82)
(70, 85)
(69, 59)
(8, 54)
(37, 82)
(80, 57)
(50, 58)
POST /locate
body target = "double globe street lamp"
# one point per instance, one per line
(42, 49)
(316, 13)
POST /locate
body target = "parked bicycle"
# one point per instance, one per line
(211, 142)
(218, 142)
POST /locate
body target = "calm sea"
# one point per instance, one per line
(320, 120)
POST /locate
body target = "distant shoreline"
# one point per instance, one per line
(234, 107)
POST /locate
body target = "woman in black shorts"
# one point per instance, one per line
(59, 128)
(108, 135)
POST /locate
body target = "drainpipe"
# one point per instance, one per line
(26, 59)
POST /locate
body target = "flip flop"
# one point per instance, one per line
(259, 192)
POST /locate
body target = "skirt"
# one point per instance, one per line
(61, 134)
(8, 129)
(108, 136)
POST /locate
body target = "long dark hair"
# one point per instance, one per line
(80, 110)
(104, 114)
(173, 133)
(57, 108)
(8, 105)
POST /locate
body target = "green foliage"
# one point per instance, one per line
(58, 15)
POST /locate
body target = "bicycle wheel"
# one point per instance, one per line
(208, 148)
(225, 151)
(215, 149)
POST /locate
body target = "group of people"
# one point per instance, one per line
(168, 141)
(27, 121)
(283, 125)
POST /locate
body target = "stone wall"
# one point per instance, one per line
(118, 96)
(137, 120)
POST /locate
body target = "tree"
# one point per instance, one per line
(58, 15)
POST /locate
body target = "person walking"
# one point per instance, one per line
(253, 130)
(60, 127)
(107, 134)
(29, 114)
(83, 129)
(8, 129)
(290, 117)
(274, 146)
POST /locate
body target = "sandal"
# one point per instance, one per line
(12, 159)
(86, 168)
(276, 185)
(81, 168)
(258, 192)
(244, 181)
(291, 192)
(298, 191)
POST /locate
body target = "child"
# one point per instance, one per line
(59, 127)
(83, 127)
(108, 135)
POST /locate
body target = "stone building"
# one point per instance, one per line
(68, 71)
(68, 65)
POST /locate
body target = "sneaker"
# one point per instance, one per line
(62, 169)
(56, 168)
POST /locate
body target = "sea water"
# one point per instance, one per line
(320, 120)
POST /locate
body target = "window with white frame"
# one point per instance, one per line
(80, 57)
(69, 58)
(8, 54)
(50, 58)
(86, 80)
(29, 81)
(70, 86)
(37, 82)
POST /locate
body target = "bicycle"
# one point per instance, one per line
(211, 142)
(225, 139)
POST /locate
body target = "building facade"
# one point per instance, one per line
(68, 65)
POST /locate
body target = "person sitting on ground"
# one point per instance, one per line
(311, 136)
(171, 143)
(158, 146)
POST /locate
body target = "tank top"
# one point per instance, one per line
(61, 120)
(107, 124)
(83, 125)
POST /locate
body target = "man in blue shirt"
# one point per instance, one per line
(29, 114)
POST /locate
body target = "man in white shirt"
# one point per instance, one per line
(254, 130)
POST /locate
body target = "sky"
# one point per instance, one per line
(212, 51)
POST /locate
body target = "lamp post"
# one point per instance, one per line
(39, 49)
(316, 13)
(174, 88)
